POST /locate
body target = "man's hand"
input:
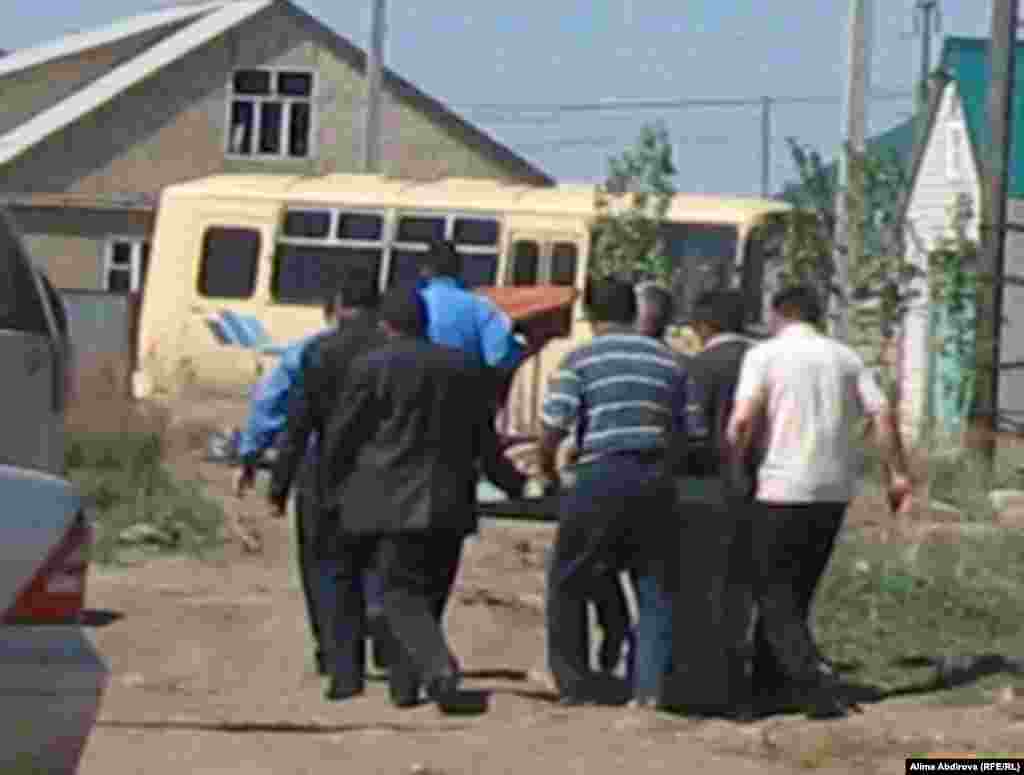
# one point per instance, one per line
(901, 494)
(278, 506)
(244, 480)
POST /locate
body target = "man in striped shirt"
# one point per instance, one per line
(624, 395)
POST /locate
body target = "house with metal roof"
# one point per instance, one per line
(94, 125)
(946, 168)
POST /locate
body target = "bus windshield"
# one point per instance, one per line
(703, 256)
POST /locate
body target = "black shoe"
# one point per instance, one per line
(826, 702)
(404, 694)
(451, 700)
(337, 692)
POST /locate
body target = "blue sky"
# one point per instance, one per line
(570, 51)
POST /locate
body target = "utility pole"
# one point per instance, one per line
(374, 79)
(766, 147)
(989, 305)
(849, 193)
(927, 22)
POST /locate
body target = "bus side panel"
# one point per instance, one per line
(181, 343)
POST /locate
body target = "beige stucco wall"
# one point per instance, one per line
(69, 243)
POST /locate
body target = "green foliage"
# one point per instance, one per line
(807, 253)
(882, 280)
(135, 499)
(882, 603)
(954, 286)
(631, 207)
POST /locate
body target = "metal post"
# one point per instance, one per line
(766, 147)
(989, 305)
(848, 195)
(374, 78)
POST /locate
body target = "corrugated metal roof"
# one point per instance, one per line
(966, 60)
(70, 45)
(104, 89)
(471, 194)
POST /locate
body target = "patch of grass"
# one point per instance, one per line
(883, 602)
(136, 500)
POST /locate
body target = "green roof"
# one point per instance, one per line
(966, 60)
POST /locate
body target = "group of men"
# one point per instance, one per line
(715, 484)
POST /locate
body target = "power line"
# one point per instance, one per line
(668, 104)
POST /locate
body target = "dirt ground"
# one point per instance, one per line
(211, 673)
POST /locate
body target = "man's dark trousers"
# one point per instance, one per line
(416, 573)
(793, 544)
(615, 517)
(306, 515)
(712, 604)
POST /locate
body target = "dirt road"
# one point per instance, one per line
(211, 674)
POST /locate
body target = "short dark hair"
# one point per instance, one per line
(442, 258)
(610, 300)
(723, 310)
(405, 311)
(357, 288)
(799, 302)
(661, 302)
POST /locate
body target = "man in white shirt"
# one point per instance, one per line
(805, 396)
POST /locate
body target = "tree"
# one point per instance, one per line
(631, 207)
(954, 285)
(883, 281)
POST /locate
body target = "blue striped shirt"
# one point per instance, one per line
(620, 392)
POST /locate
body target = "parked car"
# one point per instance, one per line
(51, 678)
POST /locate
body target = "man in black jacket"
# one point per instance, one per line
(711, 653)
(324, 367)
(400, 466)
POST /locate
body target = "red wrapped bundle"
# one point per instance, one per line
(541, 312)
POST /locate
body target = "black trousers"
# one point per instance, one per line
(614, 518)
(416, 572)
(792, 547)
(306, 517)
(712, 603)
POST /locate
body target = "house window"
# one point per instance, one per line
(125, 263)
(956, 151)
(271, 114)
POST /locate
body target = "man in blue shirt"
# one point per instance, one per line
(268, 413)
(465, 320)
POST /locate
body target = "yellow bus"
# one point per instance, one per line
(240, 263)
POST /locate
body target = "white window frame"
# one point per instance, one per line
(257, 100)
(136, 243)
(333, 241)
(449, 217)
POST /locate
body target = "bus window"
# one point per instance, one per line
(702, 256)
(405, 268)
(228, 266)
(308, 224)
(478, 232)
(417, 228)
(563, 264)
(760, 264)
(303, 274)
(525, 262)
(361, 227)
(478, 269)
